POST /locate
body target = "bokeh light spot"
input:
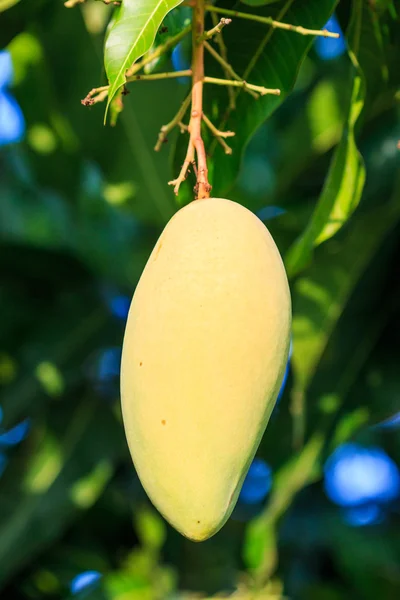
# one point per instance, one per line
(12, 123)
(257, 483)
(180, 62)
(119, 193)
(391, 422)
(119, 306)
(355, 475)
(84, 580)
(6, 69)
(50, 378)
(15, 435)
(110, 363)
(41, 139)
(360, 516)
(331, 48)
(86, 490)
(104, 372)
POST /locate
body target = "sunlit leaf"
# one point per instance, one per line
(131, 35)
(345, 180)
(87, 490)
(45, 466)
(318, 123)
(4, 4)
(151, 529)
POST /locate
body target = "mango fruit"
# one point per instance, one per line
(204, 354)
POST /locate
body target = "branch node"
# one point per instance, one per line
(219, 135)
(95, 95)
(215, 30)
(87, 101)
(183, 172)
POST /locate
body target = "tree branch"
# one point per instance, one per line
(220, 135)
(203, 187)
(72, 3)
(215, 30)
(271, 22)
(227, 68)
(154, 76)
(95, 95)
(263, 91)
(223, 53)
(188, 161)
(176, 121)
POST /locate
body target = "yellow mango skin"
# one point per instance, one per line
(204, 353)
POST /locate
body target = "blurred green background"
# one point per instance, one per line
(81, 207)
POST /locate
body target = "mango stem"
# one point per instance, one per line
(202, 188)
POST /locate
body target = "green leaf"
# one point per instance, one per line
(151, 529)
(340, 195)
(372, 55)
(131, 34)
(173, 24)
(319, 298)
(5, 4)
(358, 363)
(346, 177)
(318, 123)
(259, 546)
